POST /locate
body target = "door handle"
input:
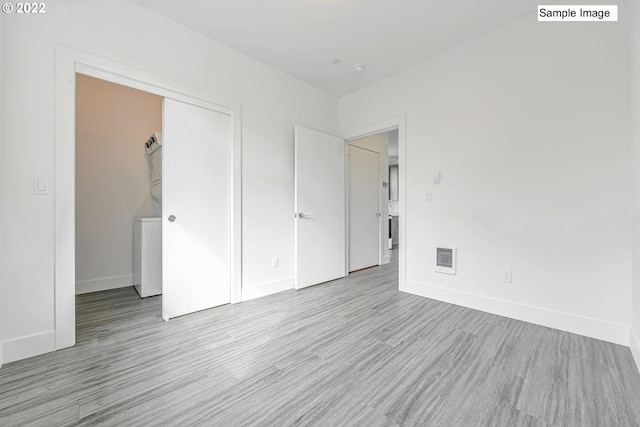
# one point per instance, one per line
(172, 218)
(378, 214)
(302, 215)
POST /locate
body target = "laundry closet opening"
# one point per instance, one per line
(153, 200)
(118, 194)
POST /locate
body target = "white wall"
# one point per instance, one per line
(529, 127)
(113, 181)
(635, 135)
(121, 31)
(380, 143)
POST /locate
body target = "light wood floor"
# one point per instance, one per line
(350, 352)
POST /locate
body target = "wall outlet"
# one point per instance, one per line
(275, 262)
(506, 276)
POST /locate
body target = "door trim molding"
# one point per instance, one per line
(68, 62)
(399, 123)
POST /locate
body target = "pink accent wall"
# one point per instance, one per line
(113, 183)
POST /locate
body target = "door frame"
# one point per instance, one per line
(70, 61)
(379, 127)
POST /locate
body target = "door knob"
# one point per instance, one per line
(172, 218)
(378, 214)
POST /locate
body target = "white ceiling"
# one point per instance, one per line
(302, 37)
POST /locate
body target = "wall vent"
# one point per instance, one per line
(446, 259)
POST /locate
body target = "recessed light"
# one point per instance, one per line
(359, 68)
(337, 61)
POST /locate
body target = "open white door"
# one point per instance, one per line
(320, 225)
(364, 208)
(196, 208)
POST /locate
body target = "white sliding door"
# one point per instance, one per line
(196, 208)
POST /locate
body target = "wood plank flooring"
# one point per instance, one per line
(352, 352)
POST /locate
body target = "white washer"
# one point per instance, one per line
(147, 256)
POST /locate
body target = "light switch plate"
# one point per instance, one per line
(429, 197)
(506, 276)
(40, 186)
(436, 178)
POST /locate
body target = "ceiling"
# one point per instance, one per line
(303, 37)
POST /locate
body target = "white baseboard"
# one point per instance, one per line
(593, 328)
(634, 344)
(265, 289)
(103, 284)
(31, 345)
(386, 259)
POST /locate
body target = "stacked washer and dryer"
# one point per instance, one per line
(147, 231)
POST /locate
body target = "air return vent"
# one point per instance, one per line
(446, 259)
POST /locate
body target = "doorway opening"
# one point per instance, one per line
(368, 201)
(373, 190)
(387, 140)
(341, 204)
(113, 190)
(119, 193)
(192, 119)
